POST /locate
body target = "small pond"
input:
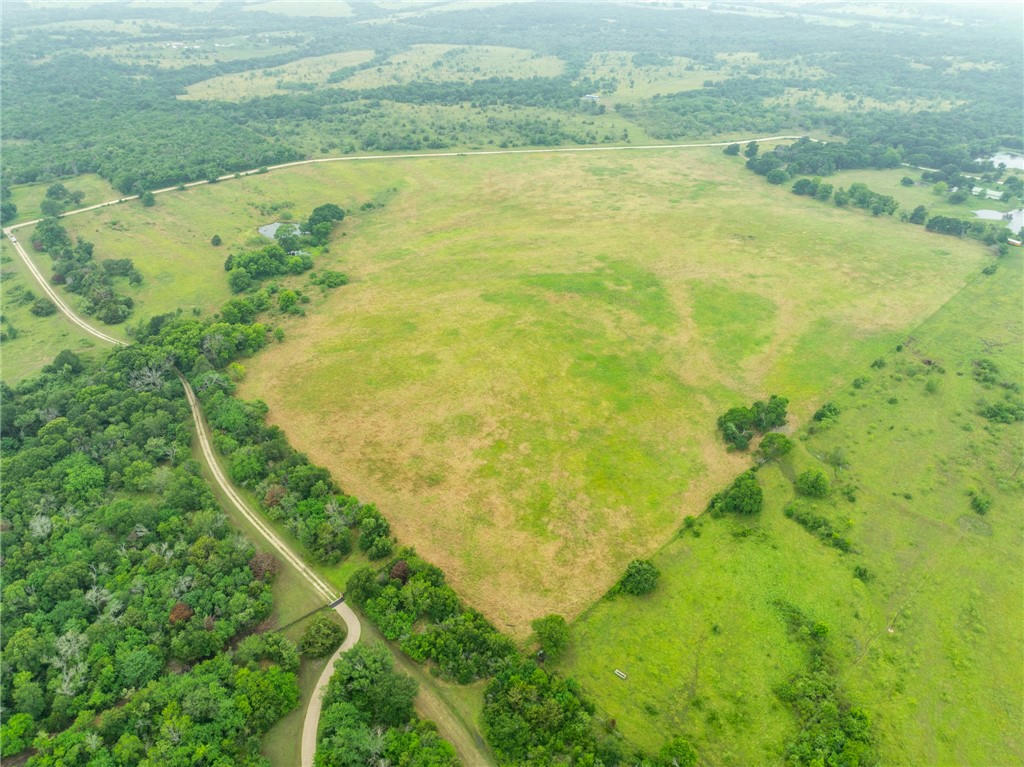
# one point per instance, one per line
(269, 230)
(1007, 159)
(1014, 219)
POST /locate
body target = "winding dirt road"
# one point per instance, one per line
(429, 703)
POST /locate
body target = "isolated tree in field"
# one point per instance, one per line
(732, 149)
(321, 637)
(552, 633)
(907, 181)
(43, 307)
(812, 483)
(215, 240)
(919, 215)
(640, 578)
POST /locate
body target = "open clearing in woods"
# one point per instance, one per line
(526, 371)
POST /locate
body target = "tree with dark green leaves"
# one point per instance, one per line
(322, 636)
(773, 446)
(812, 483)
(640, 578)
(552, 634)
(365, 677)
(744, 496)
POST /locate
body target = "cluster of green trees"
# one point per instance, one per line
(816, 525)
(743, 496)
(215, 713)
(75, 268)
(322, 636)
(532, 716)
(249, 267)
(410, 602)
(823, 158)
(860, 196)
(739, 425)
(287, 254)
(58, 199)
(830, 732)
(640, 578)
(367, 717)
(813, 187)
(118, 562)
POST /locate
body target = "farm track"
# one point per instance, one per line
(429, 703)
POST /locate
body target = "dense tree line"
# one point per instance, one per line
(75, 268)
(410, 602)
(118, 562)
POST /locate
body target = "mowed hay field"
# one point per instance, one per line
(929, 645)
(526, 370)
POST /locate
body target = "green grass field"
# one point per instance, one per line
(930, 645)
(309, 72)
(635, 81)
(455, 63)
(37, 340)
(28, 197)
(178, 54)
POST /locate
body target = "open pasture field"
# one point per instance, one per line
(929, 645)
(530, 407)
(301, 74)
(30, 342)
(28, 197)
(638, 80)
(455, 63)
(527, 368)
(175, 54)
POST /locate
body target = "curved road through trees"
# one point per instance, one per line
(432, 704)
